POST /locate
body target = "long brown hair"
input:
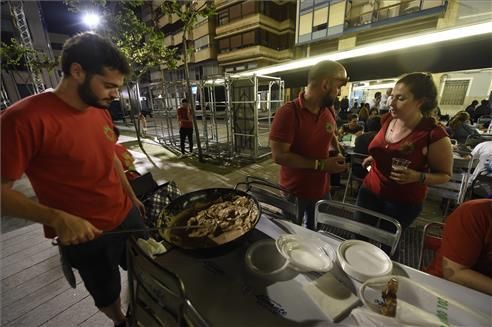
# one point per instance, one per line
(422, 88)
(459, 119)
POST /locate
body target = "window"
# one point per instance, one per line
(305, 23)
(249, 38)
(236, 41)
(235, 12)
(337, 14)
(201, 43)
(249, 7)
(454, 92)
(320, 18)
(224, 45)
(223, 16)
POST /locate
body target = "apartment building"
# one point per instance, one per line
(203, 59)
(252, 34)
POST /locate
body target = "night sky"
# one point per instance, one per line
(60, 20)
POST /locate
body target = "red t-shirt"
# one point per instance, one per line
(467, 238)
(127, 161)
(183, 115)
(410, 148)
(68, 157)
(310, 136)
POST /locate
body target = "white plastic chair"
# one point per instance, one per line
(342, 216)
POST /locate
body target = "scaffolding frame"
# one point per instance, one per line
(226, 105)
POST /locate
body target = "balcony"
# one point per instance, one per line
(254, 21)
(398, 12)
(204, 54)
(256, 52)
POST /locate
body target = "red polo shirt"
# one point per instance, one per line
(67, 155)
(310, 136)
(467, 238)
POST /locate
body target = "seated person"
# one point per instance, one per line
(352, 127)
(460, 128)
(373, 113)
(362, 142)
(125, 157)
(465, 256)
(364, 113)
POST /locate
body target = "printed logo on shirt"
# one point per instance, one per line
(108, 131)
(330, 128)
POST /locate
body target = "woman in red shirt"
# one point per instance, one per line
(408, 132)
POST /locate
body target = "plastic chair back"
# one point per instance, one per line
(430, 244)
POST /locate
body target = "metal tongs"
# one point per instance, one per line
(153, 229)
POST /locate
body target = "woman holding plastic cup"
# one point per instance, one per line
(410, 152)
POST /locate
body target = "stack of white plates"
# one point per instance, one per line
(362, 260)
(306, 254)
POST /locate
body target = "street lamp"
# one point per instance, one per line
(91, 20)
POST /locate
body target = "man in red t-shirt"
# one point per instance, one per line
(465, 256)
(303, 131)
(64, 142)
(185, 125)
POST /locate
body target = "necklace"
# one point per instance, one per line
(390, 134)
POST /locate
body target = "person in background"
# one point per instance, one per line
(460, 128)
(482, 110)
(482, 152)
(471, 108)
(386, 101)
(376, 101)
(364, 113)
(355, 108)
(408, 132)
(185, 125)
(352, 127)
(64, 142)
(465, 256)
(373, 113)
(344, 107)
(125, 157)
(302, 133)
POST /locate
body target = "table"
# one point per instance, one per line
(226, 294)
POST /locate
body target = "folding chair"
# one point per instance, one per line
(154, 197)
(430, 244)
(273, 198)
(340, 218)
(355, 159)
(157, 295)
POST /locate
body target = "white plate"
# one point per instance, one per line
(306, 254)
(362, 260)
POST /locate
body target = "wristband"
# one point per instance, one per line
(423, 177)
(322, 164)
(316, 164)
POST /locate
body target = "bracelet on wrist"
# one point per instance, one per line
(322, 164)
(316, 164)
(423, 177)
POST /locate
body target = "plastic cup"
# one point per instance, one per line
(399, 162)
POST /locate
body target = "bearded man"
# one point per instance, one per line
(302, 134)
(63, 141)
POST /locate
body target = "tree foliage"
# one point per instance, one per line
(13, 57)
(141, 42)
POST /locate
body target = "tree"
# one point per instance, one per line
(142, 43)
(14, 58)
(189, 12)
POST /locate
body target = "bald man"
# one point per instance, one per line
(303, 131)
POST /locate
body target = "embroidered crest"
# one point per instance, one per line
(330, 128)
(108, 131)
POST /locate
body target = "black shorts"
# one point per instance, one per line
(98, 261)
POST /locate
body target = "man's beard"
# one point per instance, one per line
(327, 101)
(86, 94)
